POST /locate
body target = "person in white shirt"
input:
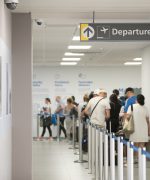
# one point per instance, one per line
(141, 122)
(46, 111)
(141, 132)
(99, 108)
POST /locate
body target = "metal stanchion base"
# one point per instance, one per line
(76, 153)
(80, 161)
(73, 148)
(89, 172)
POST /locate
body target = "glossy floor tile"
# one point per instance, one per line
(54, 160)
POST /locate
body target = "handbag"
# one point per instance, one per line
(47, 121)
(128, 126)
(54, 120)
(41, 120)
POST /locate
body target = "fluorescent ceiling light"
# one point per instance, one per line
(74, 54)
(71, 59)
(76, 38)
(79, 47)
(68, 63)
(132, 63)
(137, 59)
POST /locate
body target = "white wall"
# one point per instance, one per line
(5, 119)
(49, 81)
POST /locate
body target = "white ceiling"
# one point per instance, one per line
(61, 18)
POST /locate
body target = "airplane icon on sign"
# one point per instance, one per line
(104, 30)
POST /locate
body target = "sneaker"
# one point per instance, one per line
(41, 138)
(50, 138)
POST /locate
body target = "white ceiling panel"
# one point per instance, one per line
(61, 19)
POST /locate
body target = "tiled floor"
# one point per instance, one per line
(55, 161)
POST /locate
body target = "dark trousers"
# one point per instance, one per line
(61, 127)
(49, 130)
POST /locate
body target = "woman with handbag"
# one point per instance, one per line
(141, 122)
(46, 117)
(69, 122)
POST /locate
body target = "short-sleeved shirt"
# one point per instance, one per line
(98, 115)
(129, 102)
(61, 112)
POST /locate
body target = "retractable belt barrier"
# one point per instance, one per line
(80, 160)
(38, 124)
(102, 152)
(58, 128)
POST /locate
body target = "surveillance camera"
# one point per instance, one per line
(11, 4)
(39, 22)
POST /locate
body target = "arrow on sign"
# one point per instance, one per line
(88, 31)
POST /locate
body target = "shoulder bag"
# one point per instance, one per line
(96, 106)
(128, 126)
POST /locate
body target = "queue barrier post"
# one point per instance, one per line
(93, 149)
(73, 138)
(130, 172)
(80, 143)
(112, 157)
(38, 125)
(101, 155)
(90, 148)
(142, 165)
(97, 155)
(58, 128)
(120, 159)
(106, 156)
(143, 162)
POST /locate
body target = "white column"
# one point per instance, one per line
(146, 75)
(22, 96)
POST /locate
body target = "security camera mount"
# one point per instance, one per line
(11, 4)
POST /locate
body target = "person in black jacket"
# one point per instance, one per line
(113, 122)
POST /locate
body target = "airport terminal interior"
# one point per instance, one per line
(74, 90)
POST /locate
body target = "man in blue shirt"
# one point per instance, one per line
(131, 98)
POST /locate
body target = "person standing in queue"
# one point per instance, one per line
(60, 112)
(99, 108)
(113, 121)
(141, 124)
(69, 121)
(74, 101)
(131, 98)
(46, 116)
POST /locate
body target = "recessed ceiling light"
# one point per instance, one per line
(76, 38)
(137, 59)
(79, 47)
(74, 54)
(132, 63)
(71, 59)
(68, 63)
